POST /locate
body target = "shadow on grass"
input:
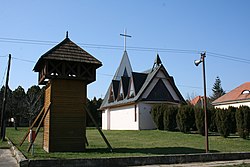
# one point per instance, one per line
(153, 151)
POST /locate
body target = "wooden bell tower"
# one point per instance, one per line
(66, 70)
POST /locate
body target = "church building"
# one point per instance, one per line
(131, 95)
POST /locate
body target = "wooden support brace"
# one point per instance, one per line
(33, 124)
(38, 128)
(97, 127)
(86, 141)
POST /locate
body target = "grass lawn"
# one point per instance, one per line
(4, 145)
(136, 143)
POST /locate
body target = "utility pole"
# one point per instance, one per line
(197, 62)
(203, 55)
(3, 113)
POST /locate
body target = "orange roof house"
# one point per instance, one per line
(197, 101)
(237, 97)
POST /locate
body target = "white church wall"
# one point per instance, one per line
(121, 118)
(105, 119)
(146, 120)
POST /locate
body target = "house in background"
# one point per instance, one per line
(197, 101)
(239, 96)
(130, 96)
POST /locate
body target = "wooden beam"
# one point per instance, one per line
(33, 124)
(97, 127)
(38, 128)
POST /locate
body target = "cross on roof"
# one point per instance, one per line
(125, 36)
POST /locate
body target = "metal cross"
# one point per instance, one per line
(125, 36)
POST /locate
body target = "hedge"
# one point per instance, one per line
(157, 115)
(199, 120)
(185, 118)
(223, 121)
(243, 121)
(169, 118)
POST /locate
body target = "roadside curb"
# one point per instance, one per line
(138, 161)
(21, 159)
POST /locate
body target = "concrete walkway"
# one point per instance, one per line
(206, 164)
(7, 159)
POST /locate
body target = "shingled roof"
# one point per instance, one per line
(140, 82)
(67, 51)
(241, 93)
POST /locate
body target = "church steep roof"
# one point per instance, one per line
(142, 82)
(124, 68)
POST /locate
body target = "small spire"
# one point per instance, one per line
(157, 62)
(67, 34)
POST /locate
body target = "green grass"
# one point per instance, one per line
(4, 144)
(136, 143)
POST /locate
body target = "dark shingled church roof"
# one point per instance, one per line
(139, 79)
(141, 83)
(67, 51)
(125, 84)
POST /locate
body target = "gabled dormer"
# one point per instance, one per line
(125, 85)
(113, 91)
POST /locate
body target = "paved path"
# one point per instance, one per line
(7, 159)
(206, 164)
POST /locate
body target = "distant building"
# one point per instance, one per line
(130, 96)
(237, 97)
(197, 101)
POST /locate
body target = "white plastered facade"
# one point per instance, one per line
(234, 104)
(130, 117)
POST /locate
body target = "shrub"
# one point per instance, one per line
(223, 122)
(199, 120)
(169, 117)
(212, 120)
(243, 121)
(185, 118)
(232, 111)
(157, 114)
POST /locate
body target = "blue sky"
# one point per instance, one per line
(220, 27)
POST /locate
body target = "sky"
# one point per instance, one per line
(177, 30)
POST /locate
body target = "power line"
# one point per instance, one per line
(227, 57)
(135, 48)
(24, 60)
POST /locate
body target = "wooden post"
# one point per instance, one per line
(38, 128)
(97, 127)
(3, 114)
(33, 124)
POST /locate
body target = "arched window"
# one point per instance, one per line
(245, 92)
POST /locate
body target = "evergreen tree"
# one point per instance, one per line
(19, 105)
(93, 106)
(217, 89)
